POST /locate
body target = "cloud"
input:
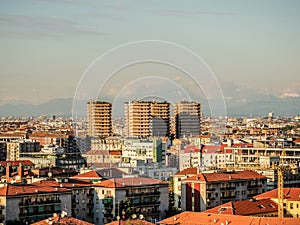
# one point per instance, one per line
(289, 94)
(9, 98)
(41, 26)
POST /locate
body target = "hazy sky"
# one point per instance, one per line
(46, 45)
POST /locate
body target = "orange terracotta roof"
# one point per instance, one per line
(212, 148)
(196, 218)
(12, 134)
(73, 183)
(97, 152)
(44, 134)
(226, 176)
(191, 149)
(130, 222)
(62, 221)
(12, 190)
(246, 207)
(88, 175)
(191, 170)
(292, 194)
(115, 153)
(17, 163)
(130, 182)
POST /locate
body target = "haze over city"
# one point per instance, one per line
(253, 48)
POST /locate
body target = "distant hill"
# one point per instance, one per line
(61, 107)
(235, 107)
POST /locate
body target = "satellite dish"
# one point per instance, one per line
(49, 174)
(141, 216)
(134, 216)
(118, 217)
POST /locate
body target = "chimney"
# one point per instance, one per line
(21, 172)
(8, 171)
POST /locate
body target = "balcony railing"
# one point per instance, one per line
(130, 194)
(210, 189)
(48, 202)
(227, 188)
(228, 197)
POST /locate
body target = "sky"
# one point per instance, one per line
(252, 47)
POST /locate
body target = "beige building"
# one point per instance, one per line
(207, 190)
(291, 200)
(99, 118)
(187, 117)
(16, 149)
(148, 198)
(178, 177)
(31, 203)
(145, 119)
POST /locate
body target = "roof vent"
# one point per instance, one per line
(215, 220)
(175, 218)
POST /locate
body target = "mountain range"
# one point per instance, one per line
(235, 107)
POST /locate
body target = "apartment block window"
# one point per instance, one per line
(291, 205)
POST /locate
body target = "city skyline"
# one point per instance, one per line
(251, 47)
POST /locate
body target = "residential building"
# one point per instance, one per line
(99, 118)
(81, 197)
(187, 116)
(14, 165)
(148, 197)
(207, 190)
(150, 150)
(291, 200)
(30, 203)
(16, 149)
(178, 177)
(145, 119)
(45, 138)
(107, 144)
(3, 150)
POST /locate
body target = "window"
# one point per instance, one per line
(291, 205)
(260, 206)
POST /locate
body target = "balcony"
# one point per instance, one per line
(253, 186)
(130, 194)
(210, 189)
(38, 203)
(227, 188)
(228, 197)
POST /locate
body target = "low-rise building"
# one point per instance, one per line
(31, 203)
(178, 177)
(148, 197)
(291, 201)
(207, 190)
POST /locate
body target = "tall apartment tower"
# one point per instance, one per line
(146, 119)
(187, 117)
(99, 118)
